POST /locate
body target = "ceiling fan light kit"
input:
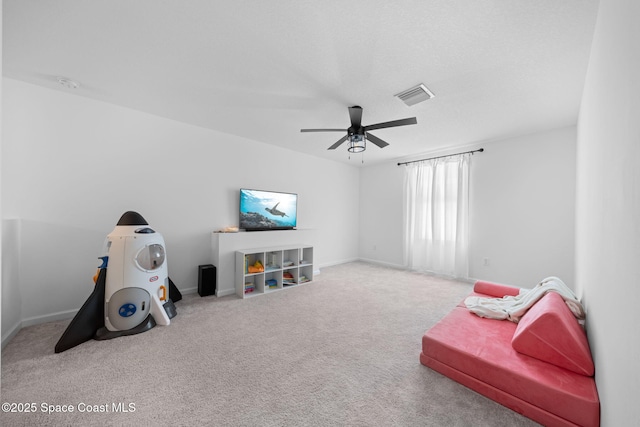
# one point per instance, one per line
(357, 143)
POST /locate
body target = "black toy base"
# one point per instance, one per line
(105, 334)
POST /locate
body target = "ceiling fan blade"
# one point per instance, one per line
(337, 144)
(323, 130)
(355, 114)
(393, 123)
(380, 143)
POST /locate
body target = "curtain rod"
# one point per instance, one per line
(479, 150)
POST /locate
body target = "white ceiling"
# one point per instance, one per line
(265, 69)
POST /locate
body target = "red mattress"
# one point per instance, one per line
(477, 352)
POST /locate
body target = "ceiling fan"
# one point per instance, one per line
(357, 134)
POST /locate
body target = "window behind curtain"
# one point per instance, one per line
(436, 215)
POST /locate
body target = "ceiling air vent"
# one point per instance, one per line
(415, 94)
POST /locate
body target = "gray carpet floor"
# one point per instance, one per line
(340, 351)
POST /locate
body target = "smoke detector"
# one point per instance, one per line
(415, 95)
(68, 83)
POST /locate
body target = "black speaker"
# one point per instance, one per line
(206, 280)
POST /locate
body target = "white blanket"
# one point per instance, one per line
(514, 307)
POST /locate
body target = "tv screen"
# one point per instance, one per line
(267, 210)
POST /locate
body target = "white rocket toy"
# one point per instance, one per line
(133, 291)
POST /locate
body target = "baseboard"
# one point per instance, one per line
(45, 318)
(189, 291)
(337, 262)
(402, 267)
(383, 263)
(224, 292)
(12, 333)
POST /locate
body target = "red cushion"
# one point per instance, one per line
(550, 332)
(481, 348)
(490, 289)
(536, 413)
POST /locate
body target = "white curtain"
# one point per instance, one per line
(436, 216)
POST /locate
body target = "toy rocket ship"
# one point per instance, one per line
(133, 291)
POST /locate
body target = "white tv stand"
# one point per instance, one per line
(225, 245)
(282, 267)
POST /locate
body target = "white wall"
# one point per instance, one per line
(608, 209)
(522, 206)
(71, 166)
(381, 213)
(522, 199)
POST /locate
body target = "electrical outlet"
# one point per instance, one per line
(485, 262)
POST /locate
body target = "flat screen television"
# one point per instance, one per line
(267, 210)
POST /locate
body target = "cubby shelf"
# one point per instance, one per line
(282, 267)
